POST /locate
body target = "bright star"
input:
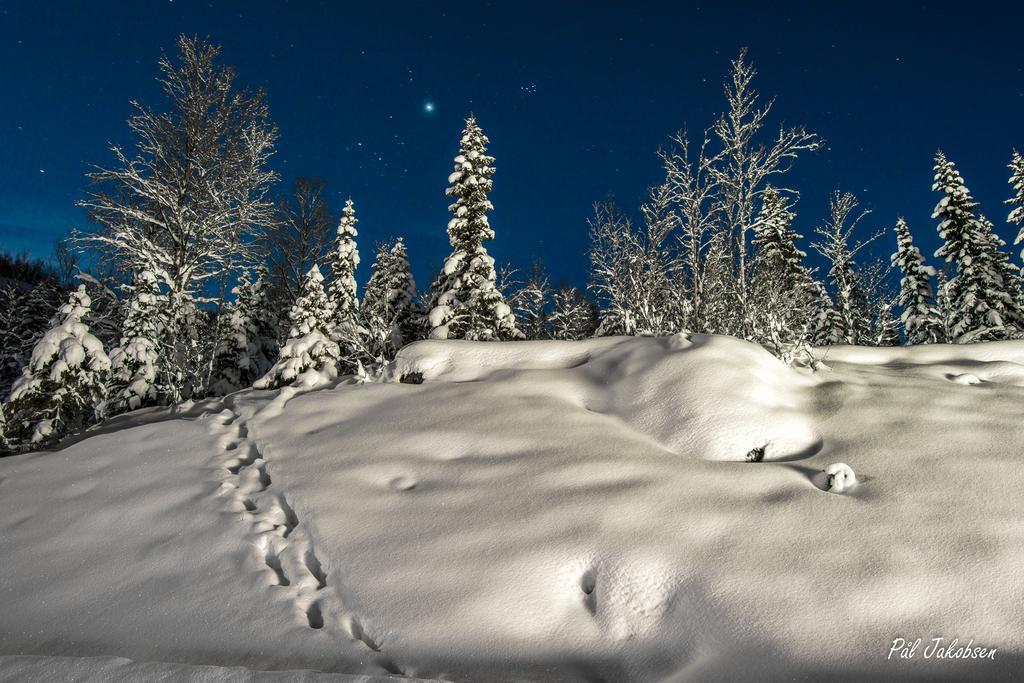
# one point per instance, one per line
(428, 107)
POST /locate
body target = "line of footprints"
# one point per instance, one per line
(281, 543)
(287, 552)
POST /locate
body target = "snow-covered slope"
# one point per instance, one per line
(542, 511)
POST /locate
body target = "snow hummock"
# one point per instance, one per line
(541, 511)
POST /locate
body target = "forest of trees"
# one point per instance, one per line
(194, 280)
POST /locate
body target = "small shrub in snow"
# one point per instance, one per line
(411, 378)
(840, 477)
(755, 454)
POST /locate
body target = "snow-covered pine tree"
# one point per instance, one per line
(920, 316)
(1016, 216)
(775, 241)
(465, 302)
(389, 312)
(13, 309)
(826, 327)
(240, 359)
(1006, 287)
(573, 315)
(265, 321)
(531, 304)
(309, 346)
(5, 445)
(943, 303)
(974, 291)
(138, 375)
(780, 300)
(25, 317)
(344, 259)
(886, 327)
(64, 382)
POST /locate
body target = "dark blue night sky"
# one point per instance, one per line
(575, 96)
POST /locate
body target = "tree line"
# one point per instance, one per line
(197, 282)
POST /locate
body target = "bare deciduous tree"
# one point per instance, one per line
(185, 203)
(296, 241)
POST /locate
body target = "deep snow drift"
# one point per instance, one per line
(541, 511)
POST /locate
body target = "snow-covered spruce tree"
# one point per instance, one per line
(780, 303)
(389, 313)
(186, 201)
(573, 314)
(1016, 216)
(975, 291)
(266, 321)
(775, 241)
(5, 444)
(826, 326)
(13, 309)
(1006, 288)
(920, 316)
(344, 259)
(138, 375)
(886, 325)
(851, 322)
(64, 382)
(465, 302)
(106, 315)
(242, 349)
(309, 346)
(530, 303)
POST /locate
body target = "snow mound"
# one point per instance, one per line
(999, 362)
(535, 512)
(703, 396)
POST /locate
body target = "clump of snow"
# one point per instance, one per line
(840, 477)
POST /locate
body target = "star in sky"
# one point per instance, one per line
(428, 107)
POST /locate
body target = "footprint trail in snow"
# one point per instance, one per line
(281, 544)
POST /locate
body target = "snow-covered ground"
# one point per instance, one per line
(537, 511)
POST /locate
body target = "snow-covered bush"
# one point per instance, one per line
(308, 346)
(64, 382)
